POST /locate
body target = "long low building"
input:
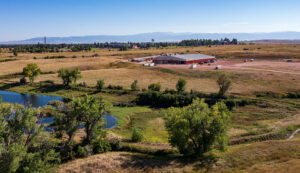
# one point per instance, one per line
(183, 59)
(149, 58)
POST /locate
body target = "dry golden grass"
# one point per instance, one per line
(122, 162)
(270, 156)
(54, 65)
(106, 66)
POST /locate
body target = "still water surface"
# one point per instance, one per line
(42, 100)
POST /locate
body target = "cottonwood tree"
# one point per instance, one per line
(89, 111)
(65, 122)
(31, 71)
(197, 129)
(69, 76)
(84, 111)
(224, 83)
(181, 85)
(66, 125)
(24, 147)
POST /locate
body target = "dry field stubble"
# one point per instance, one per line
(269, 156)
(246, 79)
(122, 162)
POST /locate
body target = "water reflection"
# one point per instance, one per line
(42, 100)
(26, 99)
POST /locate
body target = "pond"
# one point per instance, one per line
(42, 100)
(27, 99)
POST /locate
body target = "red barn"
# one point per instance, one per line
(183, 59)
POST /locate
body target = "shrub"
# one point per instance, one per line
(137, 135)
(154, 87)
(15, 52)
(81, 152)
(146, 150)
(115, 144)
(169, 91)
(83, 84)
(55, 57)
(134, 86)
(101, 145)
(181, 85)
(95, 55)
(100, 85)
(157, 99)
(115, 87)
(230, 104)
(293, 95)
(23, 80)
(224, 83)
(7, 60)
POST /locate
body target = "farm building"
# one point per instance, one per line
(150, 58)
(183, 59)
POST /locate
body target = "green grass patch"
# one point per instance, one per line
(150, 122)
(123, 113)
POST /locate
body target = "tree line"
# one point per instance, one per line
(40, 48)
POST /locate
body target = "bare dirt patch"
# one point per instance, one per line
(265, 66)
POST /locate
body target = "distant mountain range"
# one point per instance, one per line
(160, 37)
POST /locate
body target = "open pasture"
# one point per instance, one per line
(268, 72)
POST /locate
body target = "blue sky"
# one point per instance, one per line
(22, 19)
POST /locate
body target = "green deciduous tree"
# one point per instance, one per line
(197, 129)
(134, 86)
(84, 111)
(69, 76)
(181, 85)
(89, 111)
(224, 83)
(65, 122)
(66, 125)
(31, 71)
(24, 147)
(155, 87)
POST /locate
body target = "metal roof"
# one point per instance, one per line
(183, 57)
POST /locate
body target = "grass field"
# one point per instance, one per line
(113, 67)
(259, 130)
(273, 156)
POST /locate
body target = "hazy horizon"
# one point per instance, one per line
(42, 36)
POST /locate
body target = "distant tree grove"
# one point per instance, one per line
(39, 48)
